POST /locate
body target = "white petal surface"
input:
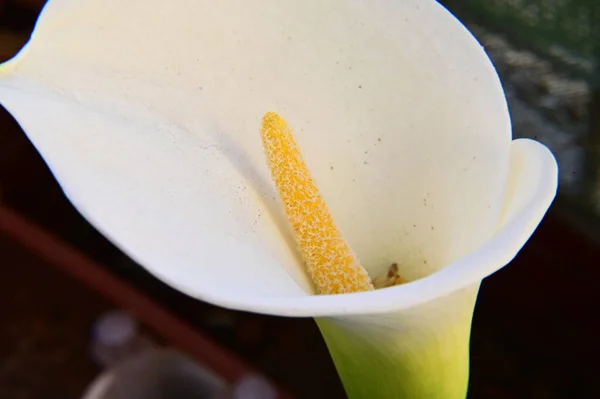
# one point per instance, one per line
(148, 113)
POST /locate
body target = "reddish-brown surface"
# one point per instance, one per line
(551, 289)
(53, 253)
(542, 311)
(45, 319)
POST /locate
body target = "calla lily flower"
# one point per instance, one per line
(148, 113)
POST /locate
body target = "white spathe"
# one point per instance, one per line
(148, 114)
(422, 351)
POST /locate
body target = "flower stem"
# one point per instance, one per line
(420, 353)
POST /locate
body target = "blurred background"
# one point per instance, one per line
(71, 304)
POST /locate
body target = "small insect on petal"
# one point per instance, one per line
(331, 264)
(389, 279)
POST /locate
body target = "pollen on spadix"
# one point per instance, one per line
(331, 264)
